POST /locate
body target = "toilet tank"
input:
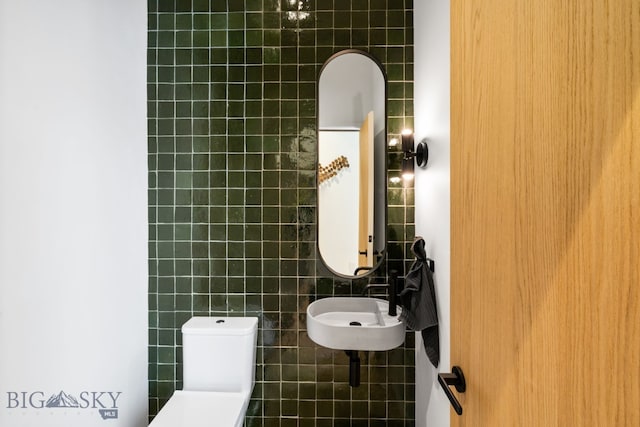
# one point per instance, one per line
(219, 353)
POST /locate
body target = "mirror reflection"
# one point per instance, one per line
(351, 163)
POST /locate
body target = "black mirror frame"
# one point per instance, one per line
(383, 254)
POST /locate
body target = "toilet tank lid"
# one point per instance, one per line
(220, 325)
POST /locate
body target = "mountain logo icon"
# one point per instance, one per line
(62, 400)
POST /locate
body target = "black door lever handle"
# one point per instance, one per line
(455, 378)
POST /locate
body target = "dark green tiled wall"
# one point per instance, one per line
(232, 193)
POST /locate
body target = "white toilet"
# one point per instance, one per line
(219, 359)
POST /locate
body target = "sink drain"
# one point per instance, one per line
(354, 323)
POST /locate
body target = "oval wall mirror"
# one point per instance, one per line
(352, 144)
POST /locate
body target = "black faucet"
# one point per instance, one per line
(392, 287)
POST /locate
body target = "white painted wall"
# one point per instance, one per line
(73, 212)
(338, 201)
(351, 86)
(431, 32)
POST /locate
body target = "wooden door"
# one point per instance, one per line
(545, 205)
(366, 256)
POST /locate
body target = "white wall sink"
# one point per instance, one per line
(353, 323)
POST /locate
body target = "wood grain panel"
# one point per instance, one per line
(545, 205)
(365, 213)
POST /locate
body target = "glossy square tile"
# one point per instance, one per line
(232, 158)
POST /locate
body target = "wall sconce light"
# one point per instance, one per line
(421, 155)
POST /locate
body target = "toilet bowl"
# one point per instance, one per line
(219, 355)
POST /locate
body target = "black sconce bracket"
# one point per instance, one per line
(421, 154)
